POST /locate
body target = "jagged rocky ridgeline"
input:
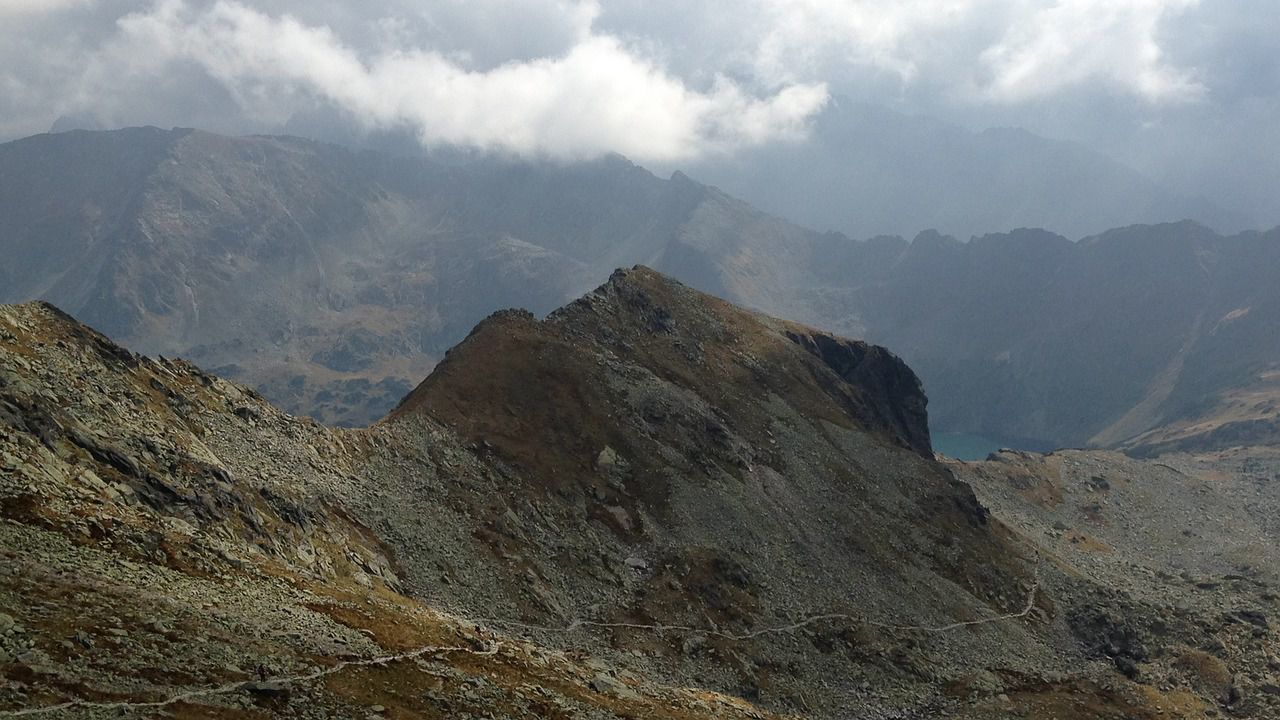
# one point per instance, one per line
(649, 504)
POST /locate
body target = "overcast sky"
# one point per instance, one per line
(1185, 91)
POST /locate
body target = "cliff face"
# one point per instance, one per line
(892, 397)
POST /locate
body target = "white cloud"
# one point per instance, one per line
(1076, 41)
(807, 36)
(595, 98)
(11, 8)
(655, 79)
(975, 50)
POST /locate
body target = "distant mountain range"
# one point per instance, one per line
(866, 170)
(334, 279)
(1029, 336)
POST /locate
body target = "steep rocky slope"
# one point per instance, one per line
(592, 515)
(174, 545)
(674, 461)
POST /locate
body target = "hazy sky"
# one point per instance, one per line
(1185, 91)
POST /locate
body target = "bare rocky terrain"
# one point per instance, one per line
(649, 504)
(1185, 546)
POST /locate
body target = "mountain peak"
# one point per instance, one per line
(643, 334)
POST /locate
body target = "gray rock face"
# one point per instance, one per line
(893, 395)
(605, 683)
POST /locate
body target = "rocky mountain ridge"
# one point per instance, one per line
(703, 502)
(332, 279)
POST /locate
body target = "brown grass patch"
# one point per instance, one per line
(1208, 673)
(1085, 699)
(1088, 543)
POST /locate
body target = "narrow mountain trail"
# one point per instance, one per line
(241, 685)
(578, 623)
(494, 646)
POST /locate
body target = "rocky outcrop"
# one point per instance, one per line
(892, 398)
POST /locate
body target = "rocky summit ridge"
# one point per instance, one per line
(649, 504)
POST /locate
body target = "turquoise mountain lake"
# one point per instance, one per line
(968, 446)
